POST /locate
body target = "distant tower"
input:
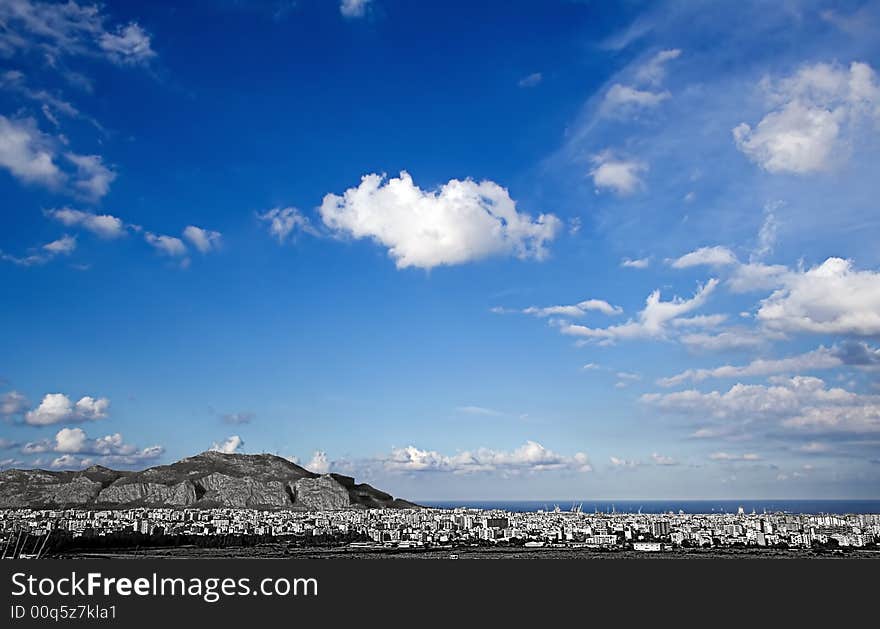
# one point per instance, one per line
(740, 511)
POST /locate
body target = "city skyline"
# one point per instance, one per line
(459, 251)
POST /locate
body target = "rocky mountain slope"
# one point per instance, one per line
(209, 479)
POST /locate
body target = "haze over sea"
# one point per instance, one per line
(664, 506)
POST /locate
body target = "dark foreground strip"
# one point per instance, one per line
(162, 593)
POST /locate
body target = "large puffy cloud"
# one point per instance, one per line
(815, 111)
(461, 222)
(831, 298)
(530, 457)
(801, 404)
(56, 408)
(104, 225)
(653, 320)
(619, 175)
(230, 445)
(77, 450)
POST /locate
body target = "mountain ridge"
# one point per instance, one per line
(206, 480)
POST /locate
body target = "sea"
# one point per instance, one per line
(665, 506)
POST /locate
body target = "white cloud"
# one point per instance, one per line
(651, 321)
(530, 457)
(204, 240)
(531, 80)
(831, 298)
(68, 28)
(576, 311)
(70, 440)
(47, 252)
(699, 321)
(50, 105)
(30, 156)
(619, 175)
(618, 462)
(93, 177)
(638, 263)
(816, 110)
(353, 8)
(56, 408)
(659, 459)
(726, 456)
(319, 463)
(654, 71)
(167, 245)
(129, 45)
(814, 447)
(821, 358)
(622, 100)
(104, 225)
(461, 222)
(797, 405)
(756, 276)
(729, 339)
(27, 153)
(12, 404)
(479, 410)
(74, 446)
(60, 27)
(69, 462)
(230, 446)
(767, 233)
(64, 245)
(286, 221)
(705, 256)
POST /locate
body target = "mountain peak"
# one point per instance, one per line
(209, 479)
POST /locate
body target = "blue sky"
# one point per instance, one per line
(460, 250)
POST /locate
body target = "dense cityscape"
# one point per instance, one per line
(445, 528)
